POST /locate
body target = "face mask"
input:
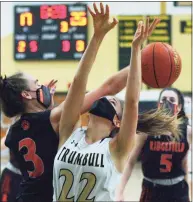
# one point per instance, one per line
(172, 108)
(103, 108)
(43, 96)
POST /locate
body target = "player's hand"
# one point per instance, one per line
(101, 21)
(144, 31)
(52, 86)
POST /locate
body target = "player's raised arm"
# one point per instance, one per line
(123, 142)
(74, 100)
(111, 86)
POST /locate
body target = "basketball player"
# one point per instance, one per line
(10, 180)
(10, 177)
(188, 111)
(177, 99)
(164, 161)
(89, 162)
(34, 137)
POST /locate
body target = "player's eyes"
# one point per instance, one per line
(172, 100)
(163, 99)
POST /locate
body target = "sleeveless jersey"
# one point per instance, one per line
(34, 144)
(162, 158)
(84, 172)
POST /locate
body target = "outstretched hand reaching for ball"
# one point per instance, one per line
(101, 20)
(144, 31)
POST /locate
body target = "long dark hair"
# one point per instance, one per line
(10, 94)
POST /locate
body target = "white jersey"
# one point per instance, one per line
(84, 172)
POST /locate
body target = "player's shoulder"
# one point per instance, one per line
(84, 128)
(80, 130)
(11, 133)
(14, 126)
(79, 133)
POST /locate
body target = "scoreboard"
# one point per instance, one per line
(50, 32)
(127, 28)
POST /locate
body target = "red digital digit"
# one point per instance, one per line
(44, 12)
(21, 47)
(65, 45)
(166, 161)
(32, 156)
(33, 45)
(54, 12)
(49, 12)
(62, 11)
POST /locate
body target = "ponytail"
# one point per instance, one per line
(11, 100)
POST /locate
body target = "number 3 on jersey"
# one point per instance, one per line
(32, 156)
(166, 161)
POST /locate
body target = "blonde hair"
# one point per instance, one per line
(159, 122)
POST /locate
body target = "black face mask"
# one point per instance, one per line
(172, 108)
(43, 96)
(103, 108)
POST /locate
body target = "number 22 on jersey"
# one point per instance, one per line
(31, 155)
(69, 180)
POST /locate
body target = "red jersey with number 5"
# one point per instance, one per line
(162, 158)
(34, 144)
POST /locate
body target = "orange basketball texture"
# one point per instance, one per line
(161, 65)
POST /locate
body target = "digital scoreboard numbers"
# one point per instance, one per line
(127, 28)
(50, 32)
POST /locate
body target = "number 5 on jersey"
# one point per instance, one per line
(166, 161)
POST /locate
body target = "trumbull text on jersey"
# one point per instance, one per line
(88, 159)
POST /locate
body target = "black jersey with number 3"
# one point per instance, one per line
(34, 144)
(162, 158)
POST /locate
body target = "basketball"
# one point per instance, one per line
(161, 65)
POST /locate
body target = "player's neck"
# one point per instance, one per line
(33, 108)
(97, 130)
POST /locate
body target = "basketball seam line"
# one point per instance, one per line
(170, 66)
(154, 68)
